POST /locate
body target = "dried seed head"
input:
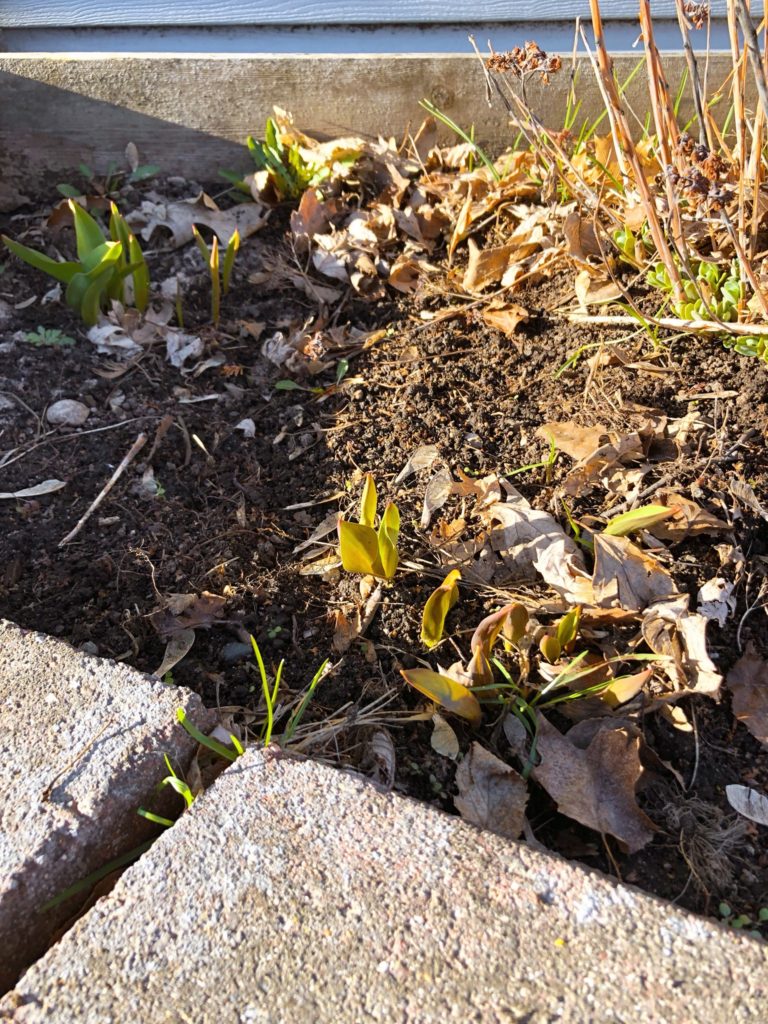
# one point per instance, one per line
(525, 60)
(697, 14)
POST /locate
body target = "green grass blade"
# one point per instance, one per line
(96, 876)
(203, 740)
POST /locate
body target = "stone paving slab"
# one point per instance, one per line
(81, 748)
(294, 893)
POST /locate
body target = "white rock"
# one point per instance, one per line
(67, 413)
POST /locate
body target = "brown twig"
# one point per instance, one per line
(136, 447)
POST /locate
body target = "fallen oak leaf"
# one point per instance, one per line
(626, 576)
(527, 538)
(748, 683)
(178, 218)
(485, 266)
(506, 317)
(491, 793)
(595, 786)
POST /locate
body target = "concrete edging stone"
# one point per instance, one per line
(295, 893)
(81, 748)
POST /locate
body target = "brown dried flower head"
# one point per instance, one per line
(697, 14)
(526, 60)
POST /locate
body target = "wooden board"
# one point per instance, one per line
(26, 13)
(191, 115)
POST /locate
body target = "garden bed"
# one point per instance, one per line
(222, 526)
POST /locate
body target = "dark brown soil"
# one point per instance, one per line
(221, 524)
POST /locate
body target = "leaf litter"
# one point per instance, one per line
(422, 236)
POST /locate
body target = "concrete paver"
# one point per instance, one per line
(81, 748)
(294, 893)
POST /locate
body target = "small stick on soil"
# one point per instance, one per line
(136, 447)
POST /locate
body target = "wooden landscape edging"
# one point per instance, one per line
(191, 114)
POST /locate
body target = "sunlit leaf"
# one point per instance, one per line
(446, 692)
(389, 530)
(514, 625)
(88, 234)
(439, 603)
(620, 690)
(637, 519)
(483, 640)
(61, 271)
(359, 548)
(550, 647)
(568, 627)
(368, 501)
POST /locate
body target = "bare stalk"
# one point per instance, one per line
(693, 74)
(605, 66)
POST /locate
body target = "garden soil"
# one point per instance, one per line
(223, 512)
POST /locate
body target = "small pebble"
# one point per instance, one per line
(89, 647)
(235, 651)
(67, 413)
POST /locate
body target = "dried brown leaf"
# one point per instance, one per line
(505, 317)
(596, 786)
(485, 266)
(748, 683)
(627, 577)
(580, 236)
(529, 538)
(187, 611)
(491, 793)
(177, 219)
(437, 492)
(689, 519)
(177, 648)
(573, 439)
(443, 739)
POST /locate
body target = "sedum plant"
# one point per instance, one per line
(99, 273)
(362, 547)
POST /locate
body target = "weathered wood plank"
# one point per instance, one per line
(25, 13)
(190, 115)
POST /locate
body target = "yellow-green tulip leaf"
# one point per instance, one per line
(568, 627)
(389, 531)
(359, 548)
(550, 647)
(368, 501)
(637, 519)
(88, 234)
(446, 692)
(514, 624)
(439, 603)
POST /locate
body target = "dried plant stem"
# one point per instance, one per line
(672, 323)
(136, 447)
(666, 127)
(737, 94)
(753, 52)
(693, 72)
(663, 117)
(605, 66)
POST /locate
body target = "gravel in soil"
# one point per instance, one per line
(226, 511)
